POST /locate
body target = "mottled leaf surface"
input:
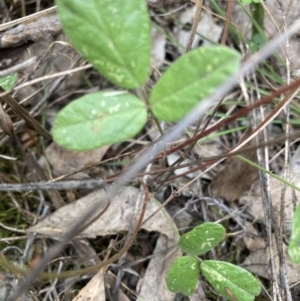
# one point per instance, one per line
(99, 119)
(202, 238)
(114, 36)
(7, 82)
(190, 79)
(226, 277)
(183, 275)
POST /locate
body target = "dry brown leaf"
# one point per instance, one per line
(235, 178)
(258, 261)
(259, 264)
(61, 55)
(6, 123)
(94, 290)
(252, 241)
(255, 205)
(254, 202)
(119, 217)
(65, 161)
(154, 286)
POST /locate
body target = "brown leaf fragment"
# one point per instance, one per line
(258, 263)
(94, 290)
(235, 178)
(252, 239)
(6, 123)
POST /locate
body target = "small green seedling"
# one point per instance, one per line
(227, 279)
(114, 36)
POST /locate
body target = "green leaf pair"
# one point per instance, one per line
(227, 279)
(114, 36)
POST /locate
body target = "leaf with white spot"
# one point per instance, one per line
(114, 36)
(183, 275)
(202, 238)
(231, 281)
(99, 119)
(190, 79)
(7, 82)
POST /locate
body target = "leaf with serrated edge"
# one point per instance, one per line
(223, 276)
(99, 119)
(202, 238)
(183, 275)
(114, 36)
(190, 79)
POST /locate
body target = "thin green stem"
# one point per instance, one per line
(268, 172)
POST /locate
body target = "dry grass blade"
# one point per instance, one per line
(27, 18)
(20, 111)
(6, 123)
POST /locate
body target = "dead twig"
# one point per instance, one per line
(64, 185)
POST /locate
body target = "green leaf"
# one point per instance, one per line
(202, 238)
(226, 277)
(294, 246)
(258, 42)
(7, 82)
(191, 78)
(114, 36)
(98, 119)
(183, 275)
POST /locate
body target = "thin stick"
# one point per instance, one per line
(195, 24)
(64, 185)
(27, 18)
(228, 19)
(20, 111)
